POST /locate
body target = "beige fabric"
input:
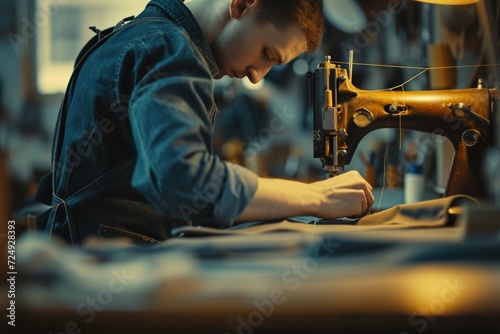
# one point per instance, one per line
(432, 213)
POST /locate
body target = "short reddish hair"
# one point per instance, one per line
(307, 14)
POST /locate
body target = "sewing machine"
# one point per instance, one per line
(344, 114)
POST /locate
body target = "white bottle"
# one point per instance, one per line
(414, 184)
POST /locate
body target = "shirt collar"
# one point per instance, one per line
(182, 16)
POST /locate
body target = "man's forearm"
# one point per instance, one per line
(278, 198)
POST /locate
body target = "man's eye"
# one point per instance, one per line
(267, 55)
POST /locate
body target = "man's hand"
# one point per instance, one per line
(345, 195)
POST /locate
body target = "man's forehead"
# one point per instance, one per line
(289, 43)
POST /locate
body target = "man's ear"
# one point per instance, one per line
(238, 7)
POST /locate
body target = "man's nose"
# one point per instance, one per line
(256, 75)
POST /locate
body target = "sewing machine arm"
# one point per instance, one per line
(461, 115)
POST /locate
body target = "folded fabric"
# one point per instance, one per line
(435, 212)
(432, 213)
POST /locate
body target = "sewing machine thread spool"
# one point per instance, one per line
(440, 56)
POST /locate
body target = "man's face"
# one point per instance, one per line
(247, 48)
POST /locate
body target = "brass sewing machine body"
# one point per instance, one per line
(344, 114)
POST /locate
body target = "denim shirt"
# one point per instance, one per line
(132, 154)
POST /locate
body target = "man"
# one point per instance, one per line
(132, 154)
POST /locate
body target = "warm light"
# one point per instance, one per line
(450, 2)
(250, 85)
(443, 290)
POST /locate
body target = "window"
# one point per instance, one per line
(63, 29)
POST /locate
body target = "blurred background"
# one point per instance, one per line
(266, 127)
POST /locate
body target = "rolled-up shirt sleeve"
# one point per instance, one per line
(169, 116)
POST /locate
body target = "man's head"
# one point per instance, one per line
(262, 33)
